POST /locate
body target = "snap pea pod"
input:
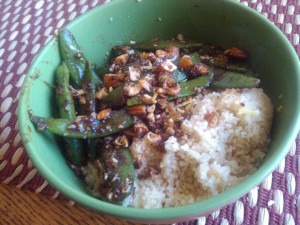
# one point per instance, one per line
(84, 126)
(74, 57)
(155, 44)
(117, 174)
(234, 67)
(73, 146)
(228, 79)
(188, 88)
(88, 106)
(227, 66)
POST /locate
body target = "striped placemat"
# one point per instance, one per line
(25, 27)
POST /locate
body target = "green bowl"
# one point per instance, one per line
(223, 22)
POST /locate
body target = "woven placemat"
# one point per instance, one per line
(25, 27)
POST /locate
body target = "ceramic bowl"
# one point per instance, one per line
(224, 23)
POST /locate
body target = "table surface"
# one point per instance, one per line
(25, 207)
(26, 198)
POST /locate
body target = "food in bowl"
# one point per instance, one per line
(167, 123)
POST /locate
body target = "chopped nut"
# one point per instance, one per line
(101, 93)
(235, 52)
(152, 138)
(151, 108)
(173, 52)
(166, 81)
(134, 73)
(162, 103)
(166, 66)
(173, 112)
(75, 92)
(137, 110)
(145, 84)
(186, 62)
(161, 91)
(122, 59)
(147, 99)
(140, 129)
(82, 100)
(148, 56)
(113, 80)
(132, 89)
(122, 141)
(103, 114)
(199, 69)
(79, 119)
(160, 53)
(175, 90)
(150, 117)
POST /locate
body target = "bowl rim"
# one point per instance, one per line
(161, 214)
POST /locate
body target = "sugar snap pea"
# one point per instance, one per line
(88, 106)
(117, 174)
(73, 146)
(156, 43)
(227, 79)
(84, 126)
(74, 57)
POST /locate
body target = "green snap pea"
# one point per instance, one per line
(74, 58)
(73, 146)
(227, 79)
(117, 174)
(84, 126)
(155, 44)
(88, 107)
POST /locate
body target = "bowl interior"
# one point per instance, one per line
(224, 23)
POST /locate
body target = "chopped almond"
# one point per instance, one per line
(140, 129)
(175, 90)
(235, 52)
(113, 80)
(137, 110)
(101, 93)
(199, 69)
(82, 100)
(147, 99)
(152, 138)
(122, 59)
(132, 89)
(166, 66)
(173, 52)
(186, 62)
(122, 141)
(160, 53)
(103, 114)
(134, 73)
(145, 84)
